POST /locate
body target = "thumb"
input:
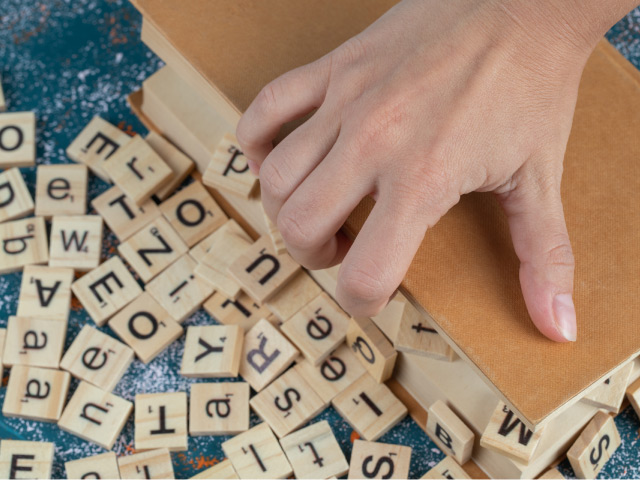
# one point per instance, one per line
(541, 241)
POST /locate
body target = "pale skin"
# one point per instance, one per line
(434, 100)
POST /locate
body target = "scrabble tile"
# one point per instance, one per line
(314, 452)
(138, 170)
(97, 358)
(372, 348)
(35, 342)
(287, 403)
(633, 394)
(416, 335)
(219, 408)
(161, 421)
(19, 459)
(228, 169)
(223, 470)
(17, 139)
(36, 393)
(266, 353)
(552, 474)
(449, 433)
(45, 292)
(275, 235)
(180, 165)
(61, 190)
(95, 415)
(3, 334)
(76, 242)
(96, 144)
(122, 216)
(594, 446)
(334, 375)
(106, 290)
(152, 249)
(507, 435)
(104, 465)
(369, 407)
(610, 394)
(151, 464)
(318, 328)
(146, 327)
(447, 468)
(297, 293)
(379, 460)
(193, 213)
(15, 199)
(23, 242)
(243, 311)
(261, 272)
(178, 290)
(212, 351)
(3, 104)
(256, 453)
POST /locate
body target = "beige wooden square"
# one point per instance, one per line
(275, 235)
(372, 348)
(35, 342)
(193, 213)
(23, 242)
(178, 290)
(266, 354)
(552, 474)
(243, 311)
(122, 216)
(106, 290)
(95, 415)
(45, 292)
(379, 460)
(36, 393)
(261, 272)
(449, 433)
(228, 169)
(298, 292)
(151, 464)
(95, 145)
(416, 335)
(138, 170)
(180, 165)
(19, 459)
(146, 327)
(104, 465)
(212, 351)
(369, 407)
(97, 358)
(61, 190)
(334, 375)
(15, 199)
(222, 470)
(76, 242)
(594, 447)
(220, 408)
(633, 394)
(256, 453)
(152, 249)
(610, 394)
(446, 469)
(161, 421)
(17, 139)
(287, 403)
(3, 104)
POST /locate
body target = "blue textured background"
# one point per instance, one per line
(69, 60)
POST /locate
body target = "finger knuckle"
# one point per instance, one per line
(561, 254)
(292, 227)
(267, 99)
(362, 283)
(272, 182)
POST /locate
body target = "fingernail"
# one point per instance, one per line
(565, 316)
(253, 166)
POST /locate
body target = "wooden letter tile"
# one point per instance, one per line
(161, 421)
(61, 190)
(219, 408)
(35, 342)
(228, 169)
(23, 242)
(594, 446)
(106, 290)
(104, 465)
(222, 470)
(97, 358)
(369, 407)
(243, 311)
(265, 355)
(15, 199)
(20, 459)
(275, 235)
(261, 272)
(180, 165)
(446, 469)
(95, 415)
(76, 242)
(212, 351)
(36, 393)
(314, 452)
(256, 453)
(45, 292)
(610, 394)
(146, 327)
(379, 460)
(152, 249)
(299, 291)
(552, 474)
(3, 104)
(148, 465)
(372, 348)
(17, 139)
(633, 394)
(450, 433)
(416, 335)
